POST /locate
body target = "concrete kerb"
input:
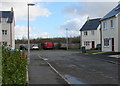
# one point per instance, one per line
(55, 70)
(27, 76)
(27, 69)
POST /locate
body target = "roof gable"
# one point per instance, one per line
(91, 24)
(7, 14)
(112, 13)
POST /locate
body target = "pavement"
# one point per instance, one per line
(40, 73)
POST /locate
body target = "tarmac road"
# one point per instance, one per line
(80, 68)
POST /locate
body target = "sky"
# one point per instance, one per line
(49, 19)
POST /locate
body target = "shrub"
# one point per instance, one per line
(13, 68)
(0, 65)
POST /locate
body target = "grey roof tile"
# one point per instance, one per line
(7, 14)
(91, 24)
(112, 13)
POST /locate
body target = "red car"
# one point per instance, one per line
(48, 45)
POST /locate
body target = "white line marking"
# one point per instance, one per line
(55, 70)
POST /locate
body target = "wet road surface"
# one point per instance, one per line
(79, 68)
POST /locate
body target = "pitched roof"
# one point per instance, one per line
(7, 14)
(91, 24)
(112, 13)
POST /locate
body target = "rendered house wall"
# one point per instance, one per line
(110, 33)
(118, 32)
(10, 37)
(90, 38)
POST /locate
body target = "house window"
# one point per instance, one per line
(111, 23)
(85, 33)
(86, 43)
(106, 42)
(4, 32)
(4, 43)
(92, 32)
(3, 20)
(105, 25)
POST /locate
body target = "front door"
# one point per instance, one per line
(112, 44)
(93, 44)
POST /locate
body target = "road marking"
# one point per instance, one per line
(27, 75)
(55, 70)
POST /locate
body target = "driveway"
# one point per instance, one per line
(80, 68)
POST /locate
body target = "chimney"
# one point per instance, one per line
(11, 9)
(88, 18)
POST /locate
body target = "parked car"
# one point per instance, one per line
(35, 47)
(48, 45)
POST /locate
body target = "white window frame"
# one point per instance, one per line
(4, 20)
(105, 25)
(4, 32)
(85, 33)
(111, 23)
(5, 43)
(86, 43)
(106, 42)
(92, 32)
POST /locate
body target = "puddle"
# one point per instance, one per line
(73, 80)
(45, 59)
(114, 56)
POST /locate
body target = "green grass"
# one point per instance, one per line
(98, 52)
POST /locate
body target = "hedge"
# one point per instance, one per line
(0, 65)
(13, 68)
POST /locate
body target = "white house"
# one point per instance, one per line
(7, 24)
(111, 30)
(90, 33)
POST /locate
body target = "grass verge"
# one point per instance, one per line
(99, 52)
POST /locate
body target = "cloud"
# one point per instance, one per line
(73, 26)
(92, 9)
(64, 0)
(27, 1)
(22, 32)
(20, 9)
(40, 35)
(73, 33)
(79, 13)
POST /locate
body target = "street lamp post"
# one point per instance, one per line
(67, 37)
(28, 33)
